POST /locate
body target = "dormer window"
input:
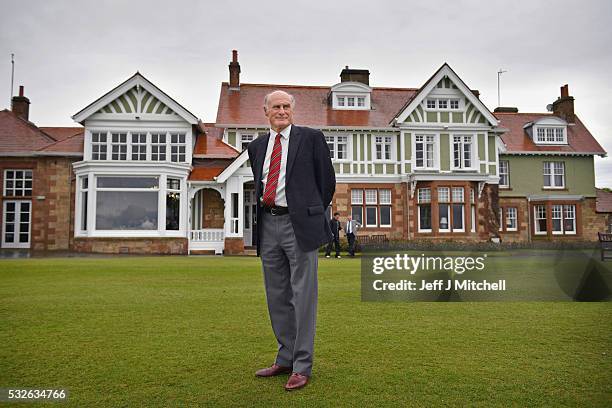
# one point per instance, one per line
(351, 96)
(550, 135)
(549, 130)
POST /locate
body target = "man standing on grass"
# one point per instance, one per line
(351, 228)
(334, 223)
(294, 184)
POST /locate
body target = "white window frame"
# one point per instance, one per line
(245, 139)
(514, 212)
(24, 180)
(387, 146)
(504, 170)
(435, 138)
(462, 143)
(344, 97)
(336, 140)
(554, 140)
(179, 146)
(554, 171)
(537, 217)
(119, 144)
(433, 103)
(161, 190)
(385, 198)
(565, 217)
(558, 208)
(426, 200)
(139, 144)
(17, 224)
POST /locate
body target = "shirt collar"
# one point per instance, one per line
(284, 133)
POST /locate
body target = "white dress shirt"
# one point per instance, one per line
(281, 199)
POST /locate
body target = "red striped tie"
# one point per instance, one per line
(269, 195)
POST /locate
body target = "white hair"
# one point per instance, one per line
(291, 98)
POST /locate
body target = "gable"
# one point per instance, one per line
(136, 98)
(445, 85)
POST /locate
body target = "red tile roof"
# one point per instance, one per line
(61, 133)
(209, 144)
(604, 201)
(516, 139)
(205, 173)
(244, 107)
(20, 136)
(71, 144)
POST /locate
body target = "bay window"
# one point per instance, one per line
(371, 207)
(126, 203)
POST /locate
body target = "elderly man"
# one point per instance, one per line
(294, 183)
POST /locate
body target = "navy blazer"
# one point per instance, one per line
(310, 183)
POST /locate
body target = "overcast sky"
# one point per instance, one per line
(69, 53)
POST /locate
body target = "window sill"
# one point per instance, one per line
(554, 188)
(505, 188)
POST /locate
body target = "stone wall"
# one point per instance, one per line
(163, 246)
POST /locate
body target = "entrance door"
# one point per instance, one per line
(16, 225)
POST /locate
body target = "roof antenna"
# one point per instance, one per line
(498, 94)
(12, 77)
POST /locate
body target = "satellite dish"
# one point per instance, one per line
(549, 107)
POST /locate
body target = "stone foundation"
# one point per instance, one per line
(234, 246)
(153, 246)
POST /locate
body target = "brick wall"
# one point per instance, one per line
(212, 209)
(52, 200)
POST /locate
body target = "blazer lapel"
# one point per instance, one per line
(295, 139)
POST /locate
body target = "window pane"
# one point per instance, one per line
(457, 216)
(424, 195)
(385, 215)
(356, 213)
(126, 210)
(128, 182)
(443, 194)
(385, 196)
(173, 201)
(357, 196)
(371, 216)
(443, 217)
(425, 217)
(370, 196)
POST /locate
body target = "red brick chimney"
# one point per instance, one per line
(564, 106)
(234, 71)
(20, 105)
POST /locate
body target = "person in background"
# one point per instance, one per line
(352, 226)
(334, 223)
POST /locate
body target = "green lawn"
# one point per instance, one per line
(191, 331)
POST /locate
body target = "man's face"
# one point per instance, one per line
(279, 111)
(337, 217)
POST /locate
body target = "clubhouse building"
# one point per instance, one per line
(142, 174)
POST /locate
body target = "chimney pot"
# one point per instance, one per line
(20, 105)
(234, 71)
(564, 91)
(563, 107)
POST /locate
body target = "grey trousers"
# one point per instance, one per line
(290, 278)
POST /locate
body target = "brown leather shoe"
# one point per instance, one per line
(272, 371)
(296, 381)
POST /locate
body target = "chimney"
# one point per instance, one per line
(234, 71)
(564, 106)
(355, 75)
(506, 109)
(21, 105)
(476, 93)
